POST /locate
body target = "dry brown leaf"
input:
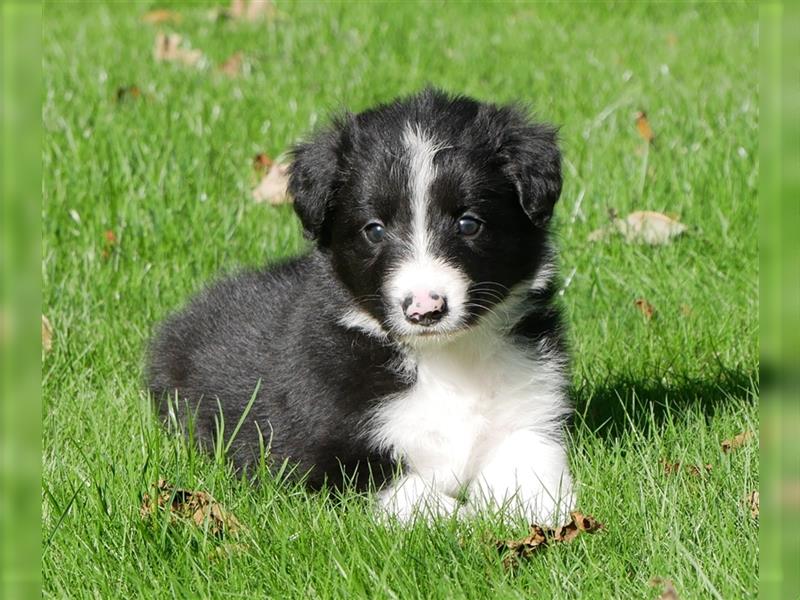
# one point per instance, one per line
(643, 127)
(668, 591)
(642, 226)
(47, 334)
(645, 308)
(232, 66)
(649, 227)
(168, 47)
(156, 17)
(185, 505)
(273, 187)
(261, 163)
(753, 503)
(736, 441)
(253, 10)
(539, 537)
(671, 468)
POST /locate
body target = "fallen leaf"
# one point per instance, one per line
(645, 308)
(128, 92)
(671, 468)
(47, 334)
(539, 537)
(261, 162)
(156, 17)
(641, 226)
(736, 441)
(686, 310)
(273, 187)
(253, 10)
(199, 508)
(668, 588)
(232, 65)
(753, 503)
(649, 227)
(168, 48)
(643, 127)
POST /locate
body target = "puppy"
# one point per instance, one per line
(416, 347)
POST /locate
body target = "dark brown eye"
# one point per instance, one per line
(469, 226)
(375, 232)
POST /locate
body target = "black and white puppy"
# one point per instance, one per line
(417, 345)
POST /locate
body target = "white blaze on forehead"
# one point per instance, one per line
(421, 149)
(420, 271)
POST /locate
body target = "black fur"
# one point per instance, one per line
(280, 326)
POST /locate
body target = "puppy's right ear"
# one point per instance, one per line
(313, 177)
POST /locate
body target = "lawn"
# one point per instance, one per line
(147, 197)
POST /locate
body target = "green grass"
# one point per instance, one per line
(169, 173)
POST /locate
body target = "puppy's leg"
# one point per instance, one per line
(526, 474)
(413, 496)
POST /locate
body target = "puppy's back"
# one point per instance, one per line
(219, 345)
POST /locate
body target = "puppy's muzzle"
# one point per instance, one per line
(424, 307)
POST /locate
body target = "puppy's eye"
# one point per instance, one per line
(375, 232)
(469, 226)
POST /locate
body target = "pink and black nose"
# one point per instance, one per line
(423, 307)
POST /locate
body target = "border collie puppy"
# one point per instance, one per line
(416, 346)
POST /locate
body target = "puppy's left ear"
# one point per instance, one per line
(313, 177)
(533, 163)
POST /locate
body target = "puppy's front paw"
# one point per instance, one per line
(412, 498)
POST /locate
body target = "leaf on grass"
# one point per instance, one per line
(642, 226)
(736, 441)
(645, 308)
(273, 187)
(668, 591)
(753, 503)
(252, 10)
(169, 48)
(672, 468)
(157, 17)
(686, 310)
(47, 334)
(199, 508)
(232, 66)
(649, 227)
(261, 163)
(643, 127)
(540, 537)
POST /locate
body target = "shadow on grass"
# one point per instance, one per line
(617, 405)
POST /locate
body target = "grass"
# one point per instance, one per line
(169, 174)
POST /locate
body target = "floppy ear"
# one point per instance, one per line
(313, 177)
(533, 163)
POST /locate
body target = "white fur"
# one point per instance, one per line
(358, 318)
(432, 274)
(420, 270)
(421, 150)
(482, 415)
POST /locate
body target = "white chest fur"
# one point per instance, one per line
(469, 397)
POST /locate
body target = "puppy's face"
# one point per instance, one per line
(432, 209)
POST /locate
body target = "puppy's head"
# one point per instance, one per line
(431, 209)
